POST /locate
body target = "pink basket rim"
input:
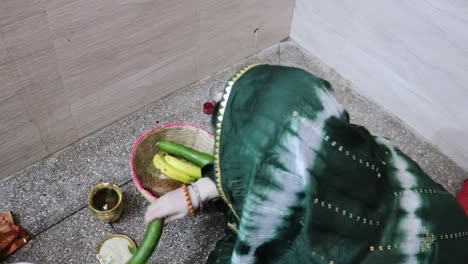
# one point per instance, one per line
(143, 136)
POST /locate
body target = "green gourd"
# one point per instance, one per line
(196, 157)
(149, 242)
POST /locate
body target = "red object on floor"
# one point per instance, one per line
(462, 196)
(12, 236)
(208, 108)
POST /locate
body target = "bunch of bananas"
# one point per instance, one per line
(185, 169)
(176, 168)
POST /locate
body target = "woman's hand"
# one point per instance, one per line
(173, 205)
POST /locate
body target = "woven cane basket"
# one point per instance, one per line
(144, 150)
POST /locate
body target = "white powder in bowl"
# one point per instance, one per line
(115, 251)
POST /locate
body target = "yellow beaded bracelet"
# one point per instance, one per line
(187, 199)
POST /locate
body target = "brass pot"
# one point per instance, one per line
(105, 201)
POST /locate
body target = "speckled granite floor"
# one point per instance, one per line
(49, 198)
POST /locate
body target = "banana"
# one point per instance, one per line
(184, 166)
(170, 171)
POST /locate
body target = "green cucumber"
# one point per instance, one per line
(149, 242)
(196, 157)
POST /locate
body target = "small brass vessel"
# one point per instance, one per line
(105, 201)
(133, 246)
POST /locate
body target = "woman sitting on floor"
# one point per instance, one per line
(303, 185)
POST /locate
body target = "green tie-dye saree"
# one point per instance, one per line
(303, 185)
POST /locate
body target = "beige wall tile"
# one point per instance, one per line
(13, 113)
(27, 36)
(9, 81)
(271, 30)
(71, 67)
(172, 73)
(57, 128)
(42, 83)
(20, 147)
(128, 95)
(52, 4)
(218, 17)
(117, 39)
(109, 104)
(4, 58)
(31, 49)
(12, 11)
(110, 57)
(226, 34)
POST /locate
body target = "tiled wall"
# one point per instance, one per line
(411, 57)
(71, 67)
